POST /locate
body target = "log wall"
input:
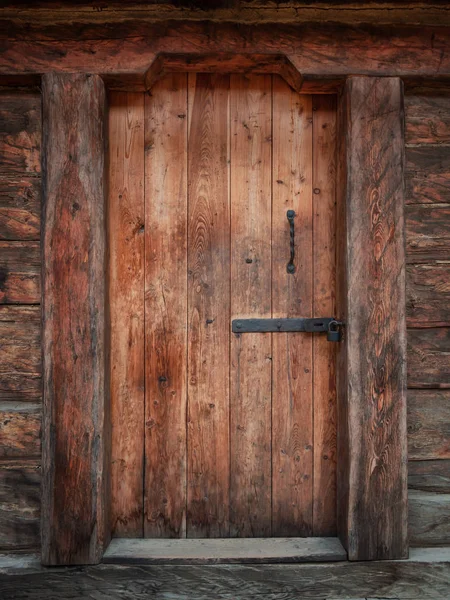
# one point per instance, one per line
(427, 132)
(428, 314)
(20, 317)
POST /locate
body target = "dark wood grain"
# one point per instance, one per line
(20, 501)
(166, 142)
(427, 175)
(429, 519)
(126, 300)
(20, 339)
(20, 429)
(417, 579)
(428, 424)
(428, 295)
(292, 296)
(221, 62)
(20, 133)
(324, 303)
(376, 328)
(429, 475)
(427, 233)
(315, 48)
(75, 427)
(20, 208)
(251, 366)
(208, 298)
(429, 357)
(427, 119)
(20, 273)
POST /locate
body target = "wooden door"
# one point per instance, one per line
(216, 434)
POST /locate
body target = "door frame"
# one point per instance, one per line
(371, 367)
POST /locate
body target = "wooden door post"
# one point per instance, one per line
(74, 515)
(372, 451)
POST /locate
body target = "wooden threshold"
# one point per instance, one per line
(224, 550)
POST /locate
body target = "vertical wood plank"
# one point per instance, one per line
(208, 306)
(166, 307)
(250, 373)
(126, 295)
(75, 456)
(324, 352)
(292, 410)
(375, 482)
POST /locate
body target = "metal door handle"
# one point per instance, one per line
(290, 267)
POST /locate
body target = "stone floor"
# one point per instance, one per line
(400, 580)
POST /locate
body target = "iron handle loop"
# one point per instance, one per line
(290, 267)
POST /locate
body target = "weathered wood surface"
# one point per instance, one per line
(20, 133)
(247, 64)
(428, 424)
(208, 306)
(251, 365)
(419, 579)
(429, 475)
(376, 328)
(114, 16)
(428, 295)
(20, 429)
(429, 518)
(20, 501)
(166, 308)
(20, 208)
(314, 48)
(75, 426)
(230, 550)
(429, 357)
(427, 175)
(324, 302)
(20, 272)
(126, 300)
(20, 339)
(427, 119)
(292, 295)
(427, 233)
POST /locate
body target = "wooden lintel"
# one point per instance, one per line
(319, 49)
(224, 62)
(75, 526)
(372, 450)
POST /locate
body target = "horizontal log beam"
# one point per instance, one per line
(320, 49)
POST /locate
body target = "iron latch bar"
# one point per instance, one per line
(317, 325)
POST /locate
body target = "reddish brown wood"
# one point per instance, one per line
(330, 49)
(20, 135)
(429, 475)
(20, 266)
(324, 304)
(429, 357)
(208, 307)
(427, 176)
(427, 119)
(373, 494)
(20, 339)
(126, 300)
(20, 208)
(20, 429)
(166, 308)
(222, 62)
(427, 233)
(428, 295)
(251, 368)
(292, 372)
(428, 424)
(75, 524)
